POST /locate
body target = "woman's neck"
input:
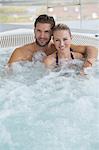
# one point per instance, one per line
(65, 54)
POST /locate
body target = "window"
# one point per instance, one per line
(78, 14)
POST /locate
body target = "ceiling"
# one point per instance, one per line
(49, 2)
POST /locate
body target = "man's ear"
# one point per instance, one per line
(34, 33)
(34, 30)
(51, 33)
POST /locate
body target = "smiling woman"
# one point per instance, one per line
(62, 39)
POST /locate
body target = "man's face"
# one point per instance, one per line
(42, 34)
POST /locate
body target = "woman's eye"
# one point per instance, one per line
(65, 39)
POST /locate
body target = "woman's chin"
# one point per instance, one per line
(62, 50)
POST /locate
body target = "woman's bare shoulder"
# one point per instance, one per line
(49, 60)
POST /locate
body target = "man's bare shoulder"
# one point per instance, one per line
(22, 53)
(25, 48)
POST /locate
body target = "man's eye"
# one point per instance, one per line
(47, 31)
(56, 40)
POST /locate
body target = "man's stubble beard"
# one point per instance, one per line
(44, 44)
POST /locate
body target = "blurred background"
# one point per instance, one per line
(80, 15)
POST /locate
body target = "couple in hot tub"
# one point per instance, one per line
(53, 43)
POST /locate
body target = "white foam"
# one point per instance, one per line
(39, 56)
(43, 108)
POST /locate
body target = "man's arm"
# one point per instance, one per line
(91, 56)
(90, 53)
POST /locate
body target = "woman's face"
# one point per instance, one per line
(62, 39)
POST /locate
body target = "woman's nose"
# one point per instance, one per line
(61, 43)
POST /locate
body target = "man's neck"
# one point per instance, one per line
(40, 48)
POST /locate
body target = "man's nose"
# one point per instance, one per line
(42, 35)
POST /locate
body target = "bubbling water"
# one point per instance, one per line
(42, 109)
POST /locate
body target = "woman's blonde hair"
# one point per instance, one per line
(61, 27)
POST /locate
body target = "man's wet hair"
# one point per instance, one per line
(45, 19)
(61, 26)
